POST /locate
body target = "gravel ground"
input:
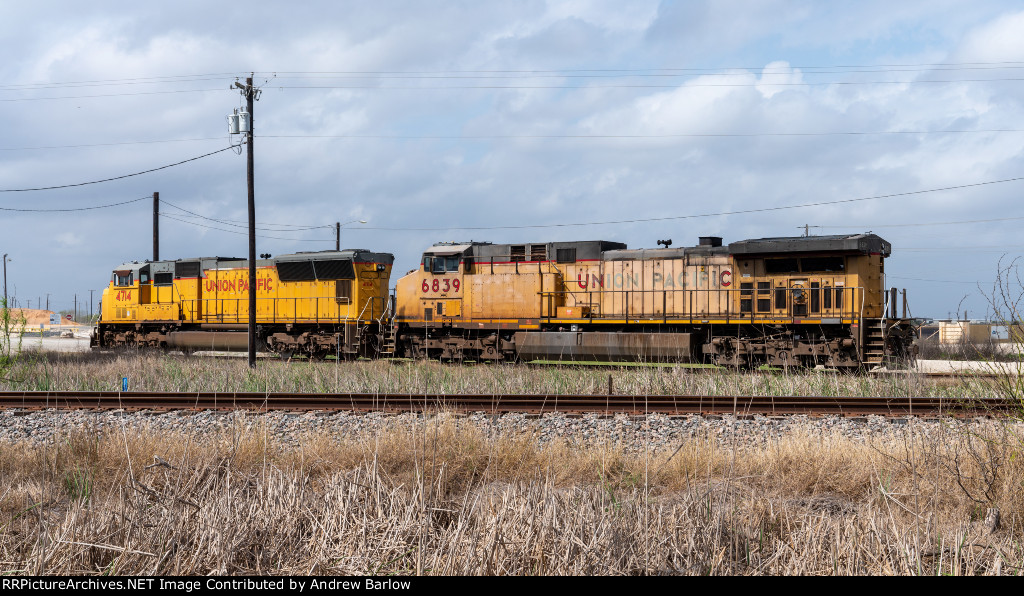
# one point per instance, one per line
(634, 434)
(51, 343)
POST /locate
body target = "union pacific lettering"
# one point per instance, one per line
(236, 285)
(659, 281)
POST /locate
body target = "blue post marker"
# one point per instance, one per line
(124, 383)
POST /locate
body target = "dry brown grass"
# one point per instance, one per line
(446, 498)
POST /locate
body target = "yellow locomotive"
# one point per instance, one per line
(315, 303)
(803, 301)
(797, 301)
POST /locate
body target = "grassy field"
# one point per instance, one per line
(154, 372)
(443, 497)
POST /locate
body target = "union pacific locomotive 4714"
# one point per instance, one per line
(798, 301)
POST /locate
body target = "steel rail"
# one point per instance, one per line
(499, 404)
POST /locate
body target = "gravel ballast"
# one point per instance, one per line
(632, 433)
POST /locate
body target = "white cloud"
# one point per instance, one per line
(998, 41)
(618, 72)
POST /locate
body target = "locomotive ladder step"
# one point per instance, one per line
(874, 342)
(390, 338)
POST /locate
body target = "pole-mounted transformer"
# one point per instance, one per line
(239, 122)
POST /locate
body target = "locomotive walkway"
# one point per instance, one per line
(672, 405)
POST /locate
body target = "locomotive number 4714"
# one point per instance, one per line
(444, 284)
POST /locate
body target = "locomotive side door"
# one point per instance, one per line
(823, 296)
(145, 285)
(551, 297)
(799, 297)
(780, 297)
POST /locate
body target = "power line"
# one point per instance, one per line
(112, 83)
(639, 86)
(75, 208)
(805, 69)
(236, 223)
(925, 224)
(941, 281)
(99, 95)
(117, 177)
(950, 65)
(990, 248)
(721, 213)
(158, 79)
(637, 136)
(758, 83)
(90, 145)
(242, 233)
(546, 136)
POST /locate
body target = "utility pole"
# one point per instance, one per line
(156, 230)
(90, 305)
(249, 92)
(47, 301)
(5, 280)
(74, 317)
(337, 231)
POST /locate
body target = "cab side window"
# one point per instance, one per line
(438, 265)
(122, 278)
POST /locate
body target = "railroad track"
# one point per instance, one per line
(673, 405)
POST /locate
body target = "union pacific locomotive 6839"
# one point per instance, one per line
(799, 301)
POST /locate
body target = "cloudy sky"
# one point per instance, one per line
(513, 122)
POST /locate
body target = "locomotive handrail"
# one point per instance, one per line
(386, 308)
(215, 309)
(706, 303)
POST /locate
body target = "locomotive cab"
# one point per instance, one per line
(440, 282)
(123, 295)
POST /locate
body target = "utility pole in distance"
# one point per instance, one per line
(5, 280)
(250, 98)
(156, 227)
(337, 231)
